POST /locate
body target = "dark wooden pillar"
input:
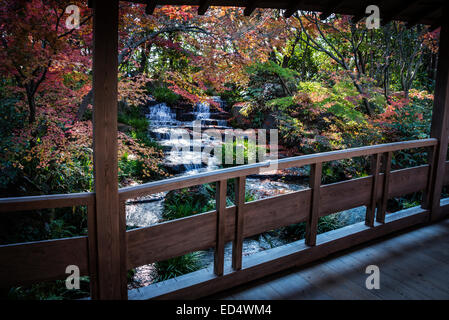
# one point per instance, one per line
(440, 119)
(105, 148)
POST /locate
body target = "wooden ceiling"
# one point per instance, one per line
(429, 12)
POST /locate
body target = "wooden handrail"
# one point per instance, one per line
(215, 228)
(77, 199)
(51, 201)
(249, 169)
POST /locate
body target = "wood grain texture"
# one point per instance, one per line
(123, 252)
(32, 262)
(356, 192)
(249, 169)
(51, 201)
(413, 265)
(175, 238)
(93, 254)
(385, 187)
(440, 120)
(427, 193)
(220, 227)
(275, 212)
(105, 75)
(237, 244)
(203, 282)
(312, 221)
(170, 239)
(372, 205)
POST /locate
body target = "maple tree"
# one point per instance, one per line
(35, 50)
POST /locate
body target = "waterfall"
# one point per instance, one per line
(202, 111)
(176, 136)
(161, 115)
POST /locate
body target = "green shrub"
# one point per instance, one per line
(178, 266)
(186, 202)
(163, 94)
(52, 290)
(325, 224)
(248, 146)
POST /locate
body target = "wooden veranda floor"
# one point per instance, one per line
(413, 265)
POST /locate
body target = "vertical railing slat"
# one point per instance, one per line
(371, 209)
(221, 223)
(385, 188)
(237, 245)
(427, 194)
(312, 222)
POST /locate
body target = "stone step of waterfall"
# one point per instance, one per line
(192, 116)
(206, 127)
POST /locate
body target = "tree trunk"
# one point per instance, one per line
(31, 104)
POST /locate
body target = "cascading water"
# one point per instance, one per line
(183, 153)
(161, 115)
(202, 111)
(186, 154)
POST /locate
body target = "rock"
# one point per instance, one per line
(352, 216)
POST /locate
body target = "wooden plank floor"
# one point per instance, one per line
(413, 265)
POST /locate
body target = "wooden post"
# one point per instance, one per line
(371, 209)
(237, 245)
(440, 119)
(312, 222)
(426, 196)
(221, 223)
(105, 148)
(92, 242)
(386, 187)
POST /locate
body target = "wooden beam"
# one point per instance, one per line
(421, 15)
(151, 6)
(237, 245)
(312, 221)
(51, 201)
(294, 6)
(440, 119)
(105, 147)
(362, 13)
(28, 263)
(249, 9)
(437, 24)
(358, 17)
(333, 5)
(221, 229)
(204, 5)
(400, 8)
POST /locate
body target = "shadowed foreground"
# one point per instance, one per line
(413, 265)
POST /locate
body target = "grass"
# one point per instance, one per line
(325, 224)
(178, 266)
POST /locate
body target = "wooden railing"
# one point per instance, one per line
(47, 260)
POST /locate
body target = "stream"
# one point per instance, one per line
(168, 127)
